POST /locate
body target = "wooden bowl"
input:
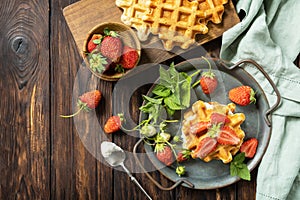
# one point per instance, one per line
(128, 37)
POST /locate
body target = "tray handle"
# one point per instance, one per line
(180, 181)
(268, 113)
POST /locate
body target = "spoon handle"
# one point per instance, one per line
(133, 179)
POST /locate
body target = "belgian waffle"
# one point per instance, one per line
(176, 22)
(201, 112)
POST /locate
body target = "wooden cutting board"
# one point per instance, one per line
(85, 14)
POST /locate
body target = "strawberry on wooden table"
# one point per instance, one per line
(242, 95)
(249, 147)
(113, 124)
(165, 155)
(87, 101)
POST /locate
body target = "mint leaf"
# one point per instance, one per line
(172, 102)
(244, 173)
(153, 100)
(161, 91)
(239, 158)
(239, 168)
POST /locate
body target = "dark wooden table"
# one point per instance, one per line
(41, 154)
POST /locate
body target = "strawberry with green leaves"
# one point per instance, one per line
(165, 154)
(98, 63)
(208, 80)
(249, 147)
(183, 155)
(87, 101)
(242, 95)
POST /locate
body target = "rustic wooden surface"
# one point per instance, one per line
(41, 154)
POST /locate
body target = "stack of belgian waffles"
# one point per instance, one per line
(175, 22)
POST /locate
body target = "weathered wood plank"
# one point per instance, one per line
(24, 113)
(76, 173)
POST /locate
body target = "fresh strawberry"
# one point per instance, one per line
(87, 101)
(242, 95)
(208, 82)
(129, 57)
(249, 147)
(98, 63)
(93, 42)
(183, 155)
(111, 47)
(165, 155)
(217, 118)
(227, 136)
(113, 124)
(199, 128)
(90, 99)
(205, 147)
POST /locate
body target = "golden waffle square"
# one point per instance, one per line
(176, 22)
(213, 10)
(133, 12)
(201, 112)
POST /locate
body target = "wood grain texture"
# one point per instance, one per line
(24, 116)
(43, 156)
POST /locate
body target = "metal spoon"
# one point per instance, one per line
(115, 156)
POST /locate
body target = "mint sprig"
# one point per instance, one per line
(239, 168)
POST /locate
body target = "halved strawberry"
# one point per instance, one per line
(199, 128)
(249, 147)
(165, 155)
(242, 95)
(205, 147)
(129, 57)
(93, 42)
(113, 124)
(217, 118)
(227, 136)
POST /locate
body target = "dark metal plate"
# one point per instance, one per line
(216, 174)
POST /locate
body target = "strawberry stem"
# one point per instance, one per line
(207, 62)
(195, 73)
(195, 84)
(68, 116)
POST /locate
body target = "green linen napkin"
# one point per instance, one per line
(270, 34)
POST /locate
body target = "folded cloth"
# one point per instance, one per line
(269, 34)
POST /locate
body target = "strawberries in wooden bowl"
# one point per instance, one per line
(111, 50)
